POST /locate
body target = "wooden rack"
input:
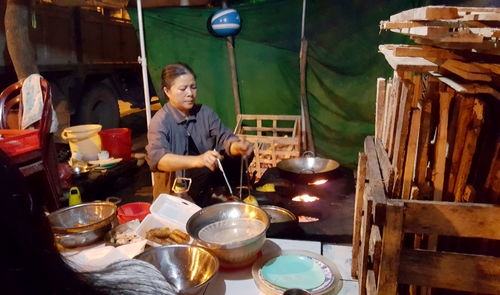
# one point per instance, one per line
(274, 137)
(437, 138)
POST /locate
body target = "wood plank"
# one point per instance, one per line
(395, 101)
(372, 169)
(465, 272)
(426, 13)
(412, 64)
(385, 167)
(472, 220)
(467, 66)
(463, 88)
(380, 107)
(410, 153)
(366, 224)
(465, 105)
(450, 66)
(387, 108)
(375, 249)
(441, 142)
(459, 37)
(391, 249)
(401, 135)
(424, 52)
(375, 188)
(429, 90)
(424, 31)
(482, 17)
(469, 149)
(358, 211)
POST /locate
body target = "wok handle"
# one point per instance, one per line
(308, 154)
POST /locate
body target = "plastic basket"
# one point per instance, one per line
(15, 142)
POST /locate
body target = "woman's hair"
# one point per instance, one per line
(172, 71)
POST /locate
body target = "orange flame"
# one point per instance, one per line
(305, 198)
(318, 182)
(304, 219)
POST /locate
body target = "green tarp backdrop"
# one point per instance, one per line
(343, 62)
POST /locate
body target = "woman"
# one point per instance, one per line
(31, 264)
(188, 138)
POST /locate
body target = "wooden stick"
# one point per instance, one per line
(395, 100)
(457, 145)
(391, 249)
(469, 150)
(358, 211)
(387, 108)
(401, 135)
(440, 154)
(425, 130)
(366, 225)
(410, 153)
(379, 113)
(234, 77)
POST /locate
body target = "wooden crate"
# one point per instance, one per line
(274, 137)
(437, 138)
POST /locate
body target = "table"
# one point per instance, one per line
(241, 282)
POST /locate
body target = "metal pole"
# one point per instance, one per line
(144, 65)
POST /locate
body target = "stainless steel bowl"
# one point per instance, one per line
(188, 268)
(228, 218)
(82, 224)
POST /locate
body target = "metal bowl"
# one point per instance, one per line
(308, 165)
(282, 221)
(234, 231)
(188, 268)
(82, 224)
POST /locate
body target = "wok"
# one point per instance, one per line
(307, 168)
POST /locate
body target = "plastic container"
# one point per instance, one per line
(118, 142)
(131, 211)
(16, 142)
(84, 139)
(167, 211)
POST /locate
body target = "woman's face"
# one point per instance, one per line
(182, 93)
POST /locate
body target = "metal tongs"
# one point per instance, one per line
(224, 174)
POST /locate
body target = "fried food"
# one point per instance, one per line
(164, 236)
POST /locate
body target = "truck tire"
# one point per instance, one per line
(99, 106)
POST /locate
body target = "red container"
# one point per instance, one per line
(131, 211)
(117, 142)
(15, 142)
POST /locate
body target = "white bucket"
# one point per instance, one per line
(84, 139)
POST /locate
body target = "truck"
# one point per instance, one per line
(90, 58)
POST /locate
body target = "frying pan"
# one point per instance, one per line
(307, 168)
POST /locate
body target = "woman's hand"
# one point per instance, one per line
(209, 159)
(242, 148)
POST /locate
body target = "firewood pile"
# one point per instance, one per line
(436, 147)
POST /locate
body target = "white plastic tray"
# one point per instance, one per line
(167, 211)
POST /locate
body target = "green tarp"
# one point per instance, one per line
(343, 63)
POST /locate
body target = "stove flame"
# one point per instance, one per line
(305, 198)
(318, 182)
(305, 219)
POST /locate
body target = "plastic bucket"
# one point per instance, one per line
(84, 139)
(131, 211)
(117, 142)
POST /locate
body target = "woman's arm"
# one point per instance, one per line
(172, 162)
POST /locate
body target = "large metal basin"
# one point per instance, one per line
(82, 224)
(228, 218)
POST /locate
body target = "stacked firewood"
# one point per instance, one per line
(437, 138)
(441, 106)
